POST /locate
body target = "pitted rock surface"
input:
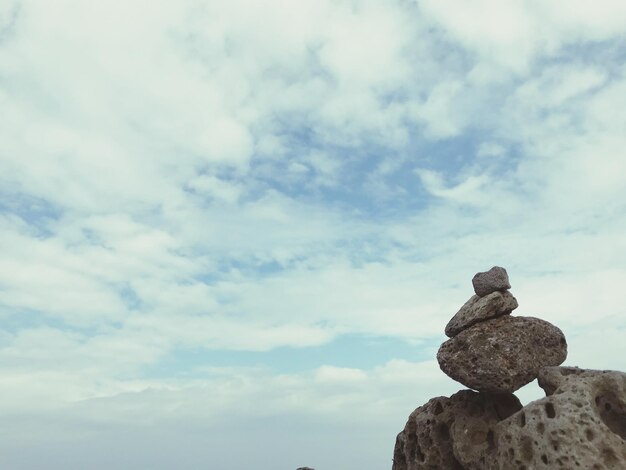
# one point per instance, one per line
(470, 432)
(478, 309)
(581, 424)
(428, 438)
(502, 354)
(496, 279)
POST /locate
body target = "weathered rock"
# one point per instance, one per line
(426, 441)
(496, 279)
(581, 424)
(478, 309)
(502, 354)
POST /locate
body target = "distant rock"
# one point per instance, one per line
(305, 468)
(503, 354)
(478, 309)
(496, 279)
(426, 441)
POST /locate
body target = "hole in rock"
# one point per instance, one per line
(541, 428)
(544, 458)
(612, 412)
(527, 449)
(609, 457)
(438, 408)
(419, 454)
(491, 442)
(522, 419)
(550, 412)
(589, 434)
(443, 431)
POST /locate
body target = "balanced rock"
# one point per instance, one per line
(478, 309)
(427, 439)
(496, 279)
(580, 424)
(503, 354)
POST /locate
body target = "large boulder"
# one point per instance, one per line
(431, 434)
(503, 354)
(496, 279)
(478, 309)
(580, 424)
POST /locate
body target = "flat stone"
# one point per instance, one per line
(503, 354)
(478, 309)
(580, 424)
(426, 441)
(496, 279)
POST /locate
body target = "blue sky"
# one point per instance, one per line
(233, 232)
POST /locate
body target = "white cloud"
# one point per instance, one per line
(467, 192)
(240, 176)
(514, 34)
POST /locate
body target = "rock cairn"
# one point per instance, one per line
(491, 351)
(580, 424)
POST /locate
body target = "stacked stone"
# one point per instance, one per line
(581, 423)
(490, 350)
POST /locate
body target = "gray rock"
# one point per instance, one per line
(503, 354)
(580, 424)
(478, 309)
(427, 439)
(496, 279)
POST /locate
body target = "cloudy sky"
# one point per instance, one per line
(231, 232)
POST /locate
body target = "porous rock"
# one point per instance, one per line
(478, 309)
(580, 424)
(502, 354)
(496, 279)
(428, 439)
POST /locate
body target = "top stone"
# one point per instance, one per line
(496, 279)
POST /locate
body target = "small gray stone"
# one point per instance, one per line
(580, 424)
(426, 441)
(502, 354)
(496, 279)
(478, 309)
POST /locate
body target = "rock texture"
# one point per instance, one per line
(426, 441)
(503, 354)
(580, 424)
(478, 309)
(496, 279)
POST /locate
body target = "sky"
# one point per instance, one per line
(232, 232)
